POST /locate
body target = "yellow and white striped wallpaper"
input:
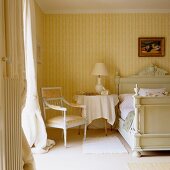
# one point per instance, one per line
(73, 43)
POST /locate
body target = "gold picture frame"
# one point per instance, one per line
(151, 46)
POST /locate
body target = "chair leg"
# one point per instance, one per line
(79, 130)
(111, 127)
(65, 137)
(106, 127)
(62, 134)
(85, 130)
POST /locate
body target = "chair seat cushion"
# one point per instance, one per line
(71, 120)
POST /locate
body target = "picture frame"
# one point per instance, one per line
(151, 46)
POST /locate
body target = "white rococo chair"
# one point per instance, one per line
(52, 99)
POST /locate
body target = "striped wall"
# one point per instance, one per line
(73, 43)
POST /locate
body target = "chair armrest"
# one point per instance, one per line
(74, 104)
(83, 107)
(55, 107)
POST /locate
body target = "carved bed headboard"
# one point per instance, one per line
(150, 77)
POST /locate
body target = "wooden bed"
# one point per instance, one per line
(151, 124)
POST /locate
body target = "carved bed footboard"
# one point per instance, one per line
(152, 113)
(151, 124)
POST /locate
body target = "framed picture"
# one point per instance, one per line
(151, 46)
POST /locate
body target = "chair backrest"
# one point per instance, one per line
(53, 95)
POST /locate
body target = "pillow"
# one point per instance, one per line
(127, 96)
(126, 101)
(126, 104)
(152, 92)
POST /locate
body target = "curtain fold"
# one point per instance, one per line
(28, 160)
(12, 86)
(2, 56)
(2, 40)
(32, 121)
(14, 46)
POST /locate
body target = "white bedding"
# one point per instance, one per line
(126, 100)
(153, 92)
(126, 105)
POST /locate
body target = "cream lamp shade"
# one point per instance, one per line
(99, 70)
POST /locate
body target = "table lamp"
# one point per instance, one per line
(99, 70)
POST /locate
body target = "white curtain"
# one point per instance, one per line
(32, 121)
(12, 144)
(27, 157)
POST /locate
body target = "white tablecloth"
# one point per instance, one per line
(99, 106)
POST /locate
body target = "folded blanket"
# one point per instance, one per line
(128, 121)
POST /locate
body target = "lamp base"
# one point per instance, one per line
(99, 88)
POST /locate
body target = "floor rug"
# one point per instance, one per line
(149, 166)
(107, 144)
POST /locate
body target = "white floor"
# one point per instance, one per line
(72, 158)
